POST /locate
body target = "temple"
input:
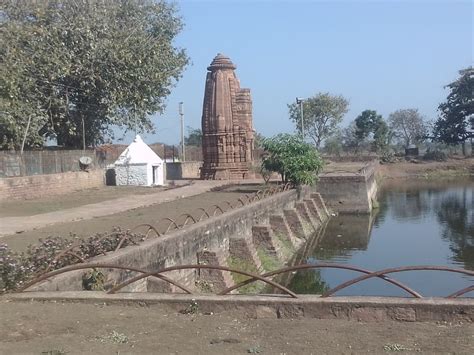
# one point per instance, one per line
(227, 131)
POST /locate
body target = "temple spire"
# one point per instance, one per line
(226, 123)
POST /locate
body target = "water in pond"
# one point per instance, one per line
(418, 223)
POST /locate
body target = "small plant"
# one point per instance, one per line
(192, 308)
(54, 352)
(254, 350)
(114, 338)
(395, 347)
(204, 286)
(93, 280)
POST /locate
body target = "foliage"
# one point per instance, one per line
(194, 137)
(69, 63)
(93, 280)
(114, 337)
(435, 154)
(369, 123)
(258, 139)
(333, 144)
(349, 139)
(408, 125)
(17, 268)
(192, 308)
(457, 112)
(295, 160)
(322, 115)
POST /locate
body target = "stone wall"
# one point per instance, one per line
(131, 175)
(239, 238)
(349, 192)
(30, 187)
(183, 170)
(42, 162)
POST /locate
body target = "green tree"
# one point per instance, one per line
(295, 160)
(258, 139)
(69, 66)
(452, 126)
(322, 115)
(408, 125)
(333, 144)
(370, 124)
(194, 137)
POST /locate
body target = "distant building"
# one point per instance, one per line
(139, 165)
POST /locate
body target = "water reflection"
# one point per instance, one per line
(418, 223)
(456, 217)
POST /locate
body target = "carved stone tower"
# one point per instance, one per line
(227, 130)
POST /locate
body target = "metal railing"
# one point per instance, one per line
(252, 277)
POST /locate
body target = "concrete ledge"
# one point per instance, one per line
(365, 309)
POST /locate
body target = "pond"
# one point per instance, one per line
(417, 223)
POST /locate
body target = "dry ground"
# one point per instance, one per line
(429, 169)
(71, 200)
(75, 328)
(131, 218)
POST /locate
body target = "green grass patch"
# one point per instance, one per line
(288, 248)
(244, 265)
(269, 262)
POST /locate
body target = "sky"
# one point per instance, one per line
(380, 55)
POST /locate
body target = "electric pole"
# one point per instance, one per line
(181, 114)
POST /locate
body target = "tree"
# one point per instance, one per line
(78, 68)
(333, 144)
(258, 139)
(369, 123)
(295, 160)
(452, 126)
(350, 141)
(322, 115)
(194, 137)
(408, 125)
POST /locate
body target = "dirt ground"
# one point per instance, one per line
(131, 218)
(75, 328)
(71, 200)
(428, 169)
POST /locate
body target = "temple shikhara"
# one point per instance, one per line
(227, 131)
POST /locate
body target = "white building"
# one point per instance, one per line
(139, 165)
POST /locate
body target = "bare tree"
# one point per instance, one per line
(408, 125)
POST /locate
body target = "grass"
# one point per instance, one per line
(269, 262)
(114, 338)
(287, 246)
(244, 265)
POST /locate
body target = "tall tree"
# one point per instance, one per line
(78, 66)
(370, 124)
(322, 115)
(194, 137)
(408, 125)
(452, 126)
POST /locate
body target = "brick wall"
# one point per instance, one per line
(30, 187)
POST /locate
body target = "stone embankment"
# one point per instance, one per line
(258, 237)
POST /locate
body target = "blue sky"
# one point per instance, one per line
(381, 55)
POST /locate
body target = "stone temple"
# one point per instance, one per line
(227, 130)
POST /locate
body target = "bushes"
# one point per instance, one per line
(17, 268)
(436, 155)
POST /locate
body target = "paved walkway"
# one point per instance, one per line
(12, 225)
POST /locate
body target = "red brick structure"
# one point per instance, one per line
(226, 124)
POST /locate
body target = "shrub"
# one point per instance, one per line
(436, 155)
(295, 160)
(17, 268)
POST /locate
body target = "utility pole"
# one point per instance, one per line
(300, 101)
(181, 114)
